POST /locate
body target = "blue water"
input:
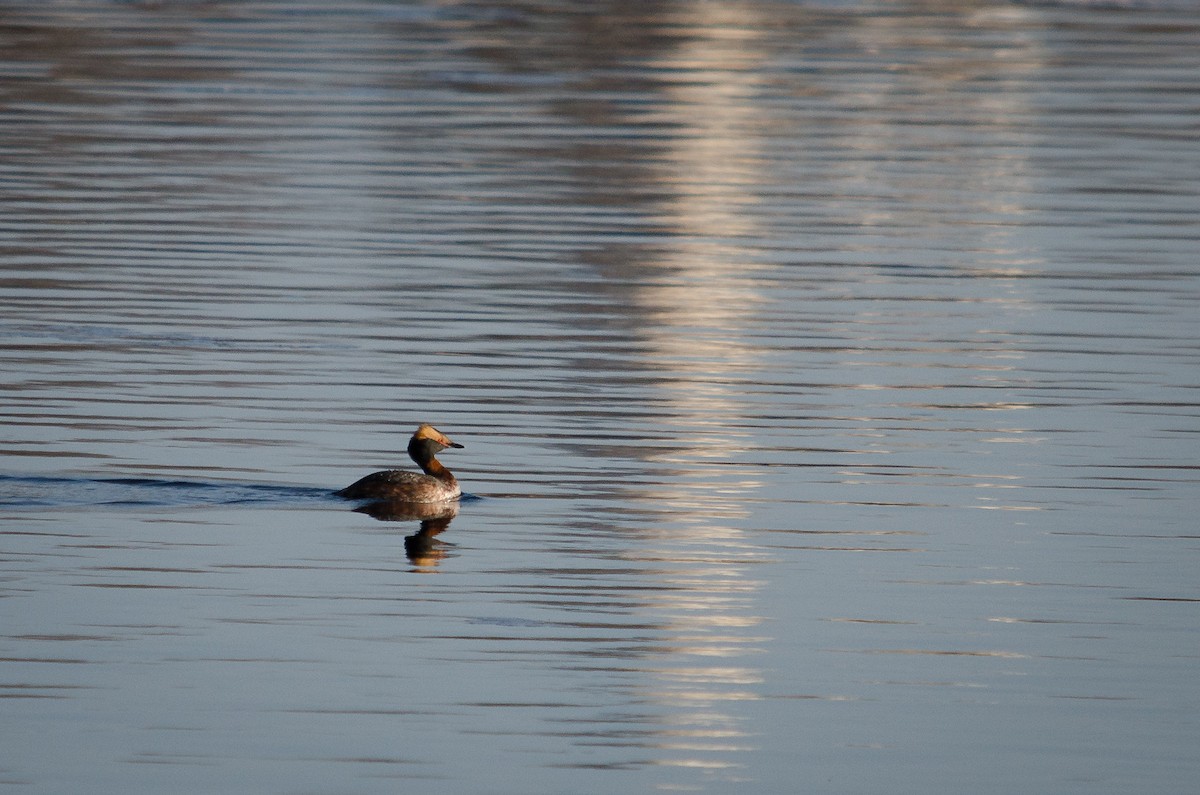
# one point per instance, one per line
(827, 376)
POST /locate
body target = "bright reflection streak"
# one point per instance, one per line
(695, 322)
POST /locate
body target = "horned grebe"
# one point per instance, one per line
(436, 485)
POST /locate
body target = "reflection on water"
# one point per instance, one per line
(422, 547)
(692, 300)
(829, 370)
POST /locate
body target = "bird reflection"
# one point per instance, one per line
(423, 547)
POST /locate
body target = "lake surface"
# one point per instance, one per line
(827, 373)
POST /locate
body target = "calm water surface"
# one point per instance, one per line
(827, 374)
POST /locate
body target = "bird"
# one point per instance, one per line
(437, 484)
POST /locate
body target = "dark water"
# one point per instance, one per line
(827, 374)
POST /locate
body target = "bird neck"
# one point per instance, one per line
(424, 453)
(434, 468)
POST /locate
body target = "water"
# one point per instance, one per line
(827, 375)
